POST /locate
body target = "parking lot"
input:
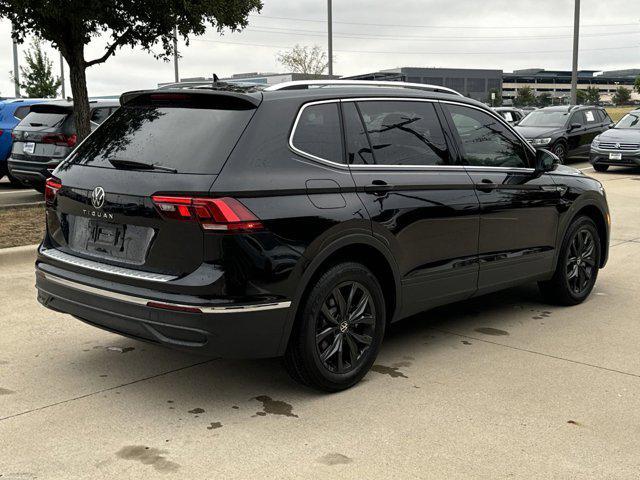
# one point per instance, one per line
(11, 196)
(502, 386)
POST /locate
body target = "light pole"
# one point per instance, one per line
(64, 95)
(16, 70)
(175, 54)
(574, 71)
(330, 36)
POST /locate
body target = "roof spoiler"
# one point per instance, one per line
(249, 100)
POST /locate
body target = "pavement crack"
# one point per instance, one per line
(577, 362)
(86, 395)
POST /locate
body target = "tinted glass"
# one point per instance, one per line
(318, 132)
(191, 140)
(630, 120)
(38, 119)
(404, 133)
(485, 141)
(590, 117)
(99, 115)
(21, 112)
(358, 148)
(545, 118)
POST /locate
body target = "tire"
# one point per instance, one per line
(560, 150)
(578, 265)
(328, 350)
(600, 168)
(15, 182)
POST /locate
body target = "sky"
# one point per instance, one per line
(370, 35)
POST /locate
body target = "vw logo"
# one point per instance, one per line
(97, 197)
(617, 145)
(344, 326)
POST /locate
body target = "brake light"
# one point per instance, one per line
(51, 188)
(60, 139)
(222, 214)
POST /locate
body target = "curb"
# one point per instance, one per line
(12, 256)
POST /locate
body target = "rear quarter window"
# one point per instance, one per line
(190, 140)
(318, 134)
(21, 112)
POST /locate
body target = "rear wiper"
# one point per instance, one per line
(133, 165)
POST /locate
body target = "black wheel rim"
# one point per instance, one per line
(559, 151)
(581, 261)
(345, 327)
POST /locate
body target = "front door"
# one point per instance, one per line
(519, 209)
(420, 205)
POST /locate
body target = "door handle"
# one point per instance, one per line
(486, 185)
(378, 187)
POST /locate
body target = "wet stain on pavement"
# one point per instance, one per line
(393, 372)
(148, 456)
(573, 422)
(4, 362)
(334, 459)
(235, 407)
(491, 331)
(274, 407)
(5, 391)
(541, 315)
(465, 342)
(214, 425)
(196, 411)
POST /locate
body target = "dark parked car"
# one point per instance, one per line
(566, 131)
(619, 146)
(299, 222)
(45, 136)
(511, 114)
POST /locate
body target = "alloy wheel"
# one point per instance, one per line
(581, 261)
(345, 327)
(560, 152)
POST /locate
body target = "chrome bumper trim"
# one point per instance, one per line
(143, 301)
(103, 267)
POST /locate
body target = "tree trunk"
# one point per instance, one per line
(78, 79)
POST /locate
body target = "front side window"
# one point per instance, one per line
(318, 132)
(485, 141)
(404, 133)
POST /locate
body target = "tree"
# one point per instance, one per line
(37, 78)
(544, 99)
(636, 84)
(497, 102)
(622, 96)
(524, 97)
(592, 95)
(71, 24)
(581, 97)
(307, 60)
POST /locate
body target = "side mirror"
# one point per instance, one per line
(545, 161)
(575, 126)
(612, 124)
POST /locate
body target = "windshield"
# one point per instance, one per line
(541, 118)
(188, 140)
(630, 121)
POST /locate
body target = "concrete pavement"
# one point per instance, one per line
(11, 196)
(503, 386)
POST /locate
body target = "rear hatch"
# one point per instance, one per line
(45, 134)
(167, 144)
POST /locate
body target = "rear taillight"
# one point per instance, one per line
(13, 136)
(51, 188)
(60, 139)
(221, 214)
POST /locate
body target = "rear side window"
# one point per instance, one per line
(99, 115)
(485, 141)
(590, 117)
(21, 112)
(318, 132)
(44, 119)
(190, 140)
(404, 133)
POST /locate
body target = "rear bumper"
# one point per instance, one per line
(31, 172)
(221, 330)
(629, 159)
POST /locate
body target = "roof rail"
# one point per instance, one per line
(305, 84)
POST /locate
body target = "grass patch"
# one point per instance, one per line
(21, 226)
(616, 113)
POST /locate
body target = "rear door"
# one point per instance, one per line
(577, 137)
(519, 210)
(105, 210)
(420, 204)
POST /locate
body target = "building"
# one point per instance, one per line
(265, 79)
(474, 83)
(558, 82)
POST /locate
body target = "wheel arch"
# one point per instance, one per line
(599, 216)
(361, 248)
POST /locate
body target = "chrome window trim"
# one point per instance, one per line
(425, 87)
(345, 166)
(143, 301)
(103, 267)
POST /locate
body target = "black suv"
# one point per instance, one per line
(300, 222)
(46, 135)
(566, 131)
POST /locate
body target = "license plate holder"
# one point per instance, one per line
(106, 235)
(29, 147)
(615, 156)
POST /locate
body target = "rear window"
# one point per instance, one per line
(190, 140)
(42, 119)
(21, 112)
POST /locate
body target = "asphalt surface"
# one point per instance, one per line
(503, 386)
(11, 196)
